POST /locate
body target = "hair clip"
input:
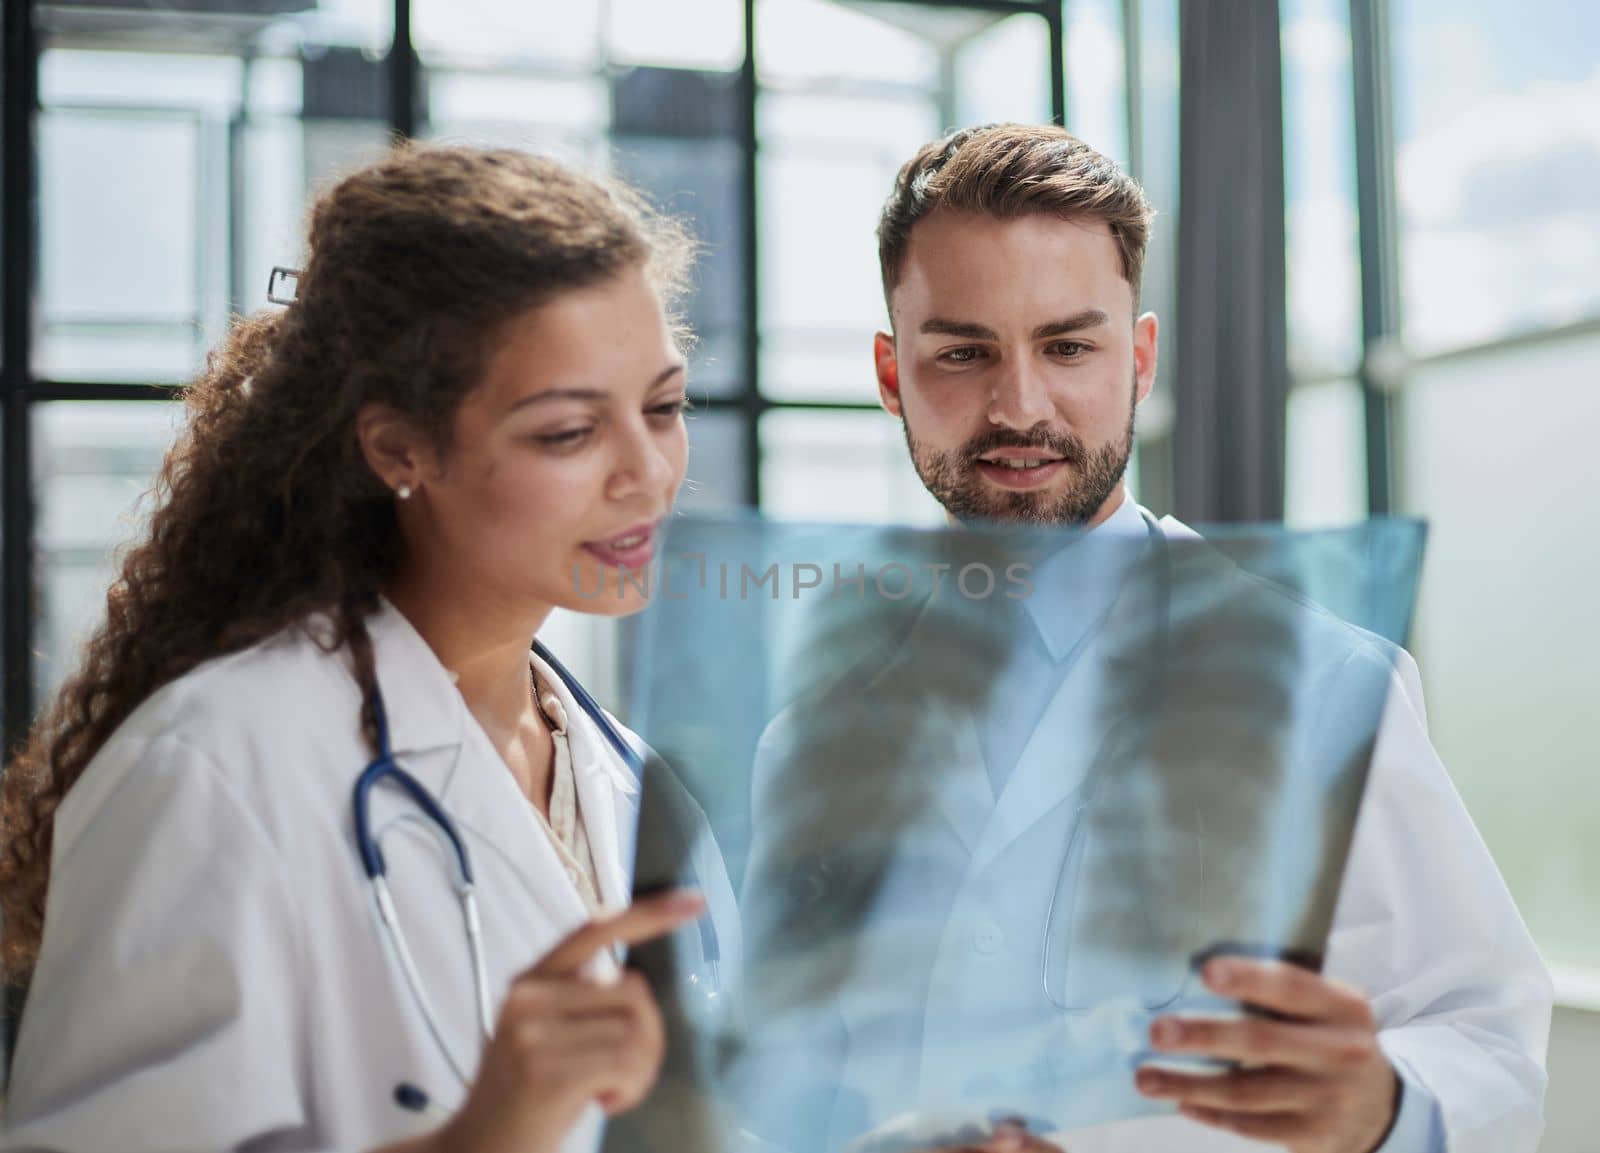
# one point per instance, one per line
(281, 274)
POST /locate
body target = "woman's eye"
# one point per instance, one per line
(563, 439)
(672, 408)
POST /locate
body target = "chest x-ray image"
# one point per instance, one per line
(986, 798)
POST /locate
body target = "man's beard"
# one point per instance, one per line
(953, 479)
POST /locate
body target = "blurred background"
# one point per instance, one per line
(1430, 282)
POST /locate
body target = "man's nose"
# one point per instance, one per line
(1019, 399)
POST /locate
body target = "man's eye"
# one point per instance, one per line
(1069, 349)
(961, 355)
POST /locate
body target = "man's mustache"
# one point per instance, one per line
(1064, 445)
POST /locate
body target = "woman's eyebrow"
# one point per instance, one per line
(592, 394)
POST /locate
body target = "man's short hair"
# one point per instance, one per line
(1012, 170)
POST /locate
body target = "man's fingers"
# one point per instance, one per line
(1258, 1091)
(1257, 1041)
(1275, 1127)
(1287, 989)
(644, 920)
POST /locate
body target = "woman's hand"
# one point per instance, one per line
(564, 1040)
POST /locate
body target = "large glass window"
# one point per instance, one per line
(842, 466)
(94, 463)
(628, 87)
(847, 92)
(1498, 459)
(172, 179)
(1152, 150)
(123, 284)
(1325, 480)
(1498, 157)
(1321, 233)
(176, 153)
(179, 146)
(1497, 162)
(1096, 80)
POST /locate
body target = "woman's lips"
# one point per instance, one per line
(632, 550)
(1020, 479)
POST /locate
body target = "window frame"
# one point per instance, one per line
(21, 389)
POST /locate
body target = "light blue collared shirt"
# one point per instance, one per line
(1073, 589)
(1418, 1127)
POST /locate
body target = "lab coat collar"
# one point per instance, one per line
(964, 796)
(1088, 582)
(431, 730)
(963, 793)
(1075, 585)
(420, 698)
(1047, 774)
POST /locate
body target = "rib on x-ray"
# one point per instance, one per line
(986, 798)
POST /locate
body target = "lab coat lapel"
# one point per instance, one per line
(962, 790)
(601, 776)
(1053, 763)
(1060, 753)
(420, 699)
(483, 796)
(437, 740)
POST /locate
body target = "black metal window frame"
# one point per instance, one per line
(19, 231)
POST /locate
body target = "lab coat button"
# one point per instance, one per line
(987, 939)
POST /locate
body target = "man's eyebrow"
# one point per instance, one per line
(1088, 318)
(593, 394)
(965, 328)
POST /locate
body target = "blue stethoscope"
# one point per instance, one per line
(433, 814)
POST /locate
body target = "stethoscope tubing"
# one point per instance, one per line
(369, 848)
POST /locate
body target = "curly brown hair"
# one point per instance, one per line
(265, 510)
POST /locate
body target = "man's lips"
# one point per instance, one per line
(1019, 469)
(1020, 456)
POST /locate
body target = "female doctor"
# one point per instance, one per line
(471, 411)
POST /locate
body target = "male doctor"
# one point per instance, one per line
(1011, 260)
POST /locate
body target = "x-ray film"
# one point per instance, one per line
(985, 799)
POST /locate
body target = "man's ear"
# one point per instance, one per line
(1146, 330)
(888, 370)
(392, 446)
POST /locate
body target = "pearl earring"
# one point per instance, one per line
(403, 492)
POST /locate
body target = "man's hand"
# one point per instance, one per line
(1317, 1082)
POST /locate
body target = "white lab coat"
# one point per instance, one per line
(213, 976)
(1424, 926)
